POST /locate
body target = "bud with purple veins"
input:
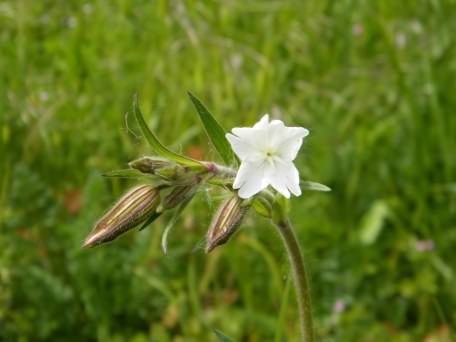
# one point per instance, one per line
(225, 222)
(178, 195)
(132, 209)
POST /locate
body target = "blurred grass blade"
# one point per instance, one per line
(373, 222)
(282, 311)
(215, 132)
(221, 337)
(314, 186)
(158, 147)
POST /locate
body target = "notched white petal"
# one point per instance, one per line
(241, 147)
(289, 147)
(263, 123)
(292, 177)
(250, 179)
(278, 183)
(241, 175)
(248, 190)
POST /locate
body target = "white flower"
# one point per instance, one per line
(267, 151)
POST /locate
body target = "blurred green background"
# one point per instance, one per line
(374, 81)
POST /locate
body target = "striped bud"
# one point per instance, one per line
(133, 208)
(177, 195)
(225, 222)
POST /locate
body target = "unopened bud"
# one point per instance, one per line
(178, 195)
(158, 166)
(225, 222)
(262, 206)
(133, 208)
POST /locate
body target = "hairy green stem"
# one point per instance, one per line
(300, 279)
(220, 170)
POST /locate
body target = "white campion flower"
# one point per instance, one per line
(267, 151)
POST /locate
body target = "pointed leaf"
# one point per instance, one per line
(172, 222)
(125, 173)
(136, 174)
(314, 186)
(215, 132)
(221, 337)
(151, 219)
(158, 147)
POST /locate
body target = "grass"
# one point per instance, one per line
(374, 83)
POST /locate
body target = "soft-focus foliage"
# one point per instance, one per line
(374, 81)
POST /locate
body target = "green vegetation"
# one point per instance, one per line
(375, 83)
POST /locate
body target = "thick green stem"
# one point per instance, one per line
(300, 279)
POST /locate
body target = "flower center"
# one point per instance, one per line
(270, 155)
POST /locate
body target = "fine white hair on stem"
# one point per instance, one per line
(128, 129)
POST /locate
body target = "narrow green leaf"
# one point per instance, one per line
(172, 223)
(124, 173)
(151, 219)
(215, 132)
(221, 337)
(157, 146)
(314, 186)
(136, 174)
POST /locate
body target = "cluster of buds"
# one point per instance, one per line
(265, 151)
(171, 185)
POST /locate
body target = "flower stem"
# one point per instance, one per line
(300, 279)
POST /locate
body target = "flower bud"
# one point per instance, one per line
(133, 208)
(177, 195)
(150, 164)
(225, 222)
(262, 206)
(158, 166)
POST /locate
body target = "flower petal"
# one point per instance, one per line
(276, 133)
(250, 133)
(250, 179)
(278, 182)
(267, 150)
(263, 123)
(289, 147)
(290, 175)
(293, 180)
(242, 147)
(256, 138)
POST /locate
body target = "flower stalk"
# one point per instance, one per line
(300, 278)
